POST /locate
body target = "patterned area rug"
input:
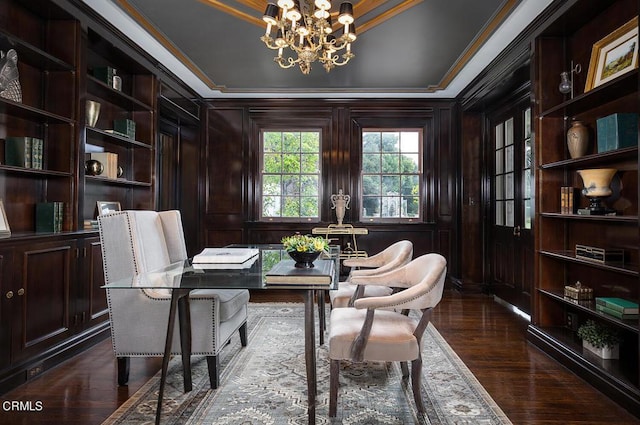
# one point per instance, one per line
(265, 383)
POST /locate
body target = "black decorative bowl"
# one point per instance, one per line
(304, 260)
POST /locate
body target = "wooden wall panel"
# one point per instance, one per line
(231, 168)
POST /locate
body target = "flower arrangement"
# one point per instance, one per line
(305, 243)
(598, 335)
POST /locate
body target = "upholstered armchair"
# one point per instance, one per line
(382, 328)
(394, 256)
(139, 241)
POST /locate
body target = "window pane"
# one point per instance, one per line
(310, 163)
(371, 185)
(499, 183)
(410, 185)
(370, 163)
(309, 206)
(409, 163)
(411, 206)
(272, 163)
(410, 141)
(390, 163)
(290, 185)
(291, 207)
(390, 206)
(291, 142)
(309, 186)
(271, 185)
(390, 185)
(310, 142)
(371, 142)
(528, 214)
(508, 132)
(390, 142)
(509, 213)
(499, 161)
(508, 158)
(500, 213)
(271, 206)
(272, 142)
(499, 134)
(371, 206)
(508, 186)
(291, 163)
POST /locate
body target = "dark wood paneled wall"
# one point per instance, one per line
(231, 159)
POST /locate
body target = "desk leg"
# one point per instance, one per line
(321, 317)
(176, 294)
(310, 354)
(184, 321)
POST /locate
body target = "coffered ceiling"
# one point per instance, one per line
(405, 48)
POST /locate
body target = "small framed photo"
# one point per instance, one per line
(5, 231)
(614, 55)
(106, 207)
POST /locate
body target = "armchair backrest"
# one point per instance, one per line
(395, 255)
(138, 241)
(423, 280)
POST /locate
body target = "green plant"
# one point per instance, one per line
(598, 335)
(305, 243)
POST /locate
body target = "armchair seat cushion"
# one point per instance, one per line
(231, 300)
(340, 298)
(391, 337)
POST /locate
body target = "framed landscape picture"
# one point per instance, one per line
(106, 207)
(614, 55)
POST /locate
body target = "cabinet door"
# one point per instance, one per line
(7, 298)
(42, 313)
(94, 301)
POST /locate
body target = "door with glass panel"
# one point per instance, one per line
(511, 245)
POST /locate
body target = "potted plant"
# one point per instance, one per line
(601, 340)
(304, 249)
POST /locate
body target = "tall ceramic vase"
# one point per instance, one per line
(93, 112)
(578, 139)
(340, 203)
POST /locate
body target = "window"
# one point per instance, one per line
(290, 174)
(391, 174)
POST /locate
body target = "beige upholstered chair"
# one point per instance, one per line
(138, 241)
(381, 329)
(394, 256)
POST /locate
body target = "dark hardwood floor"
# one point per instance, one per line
(529, 387)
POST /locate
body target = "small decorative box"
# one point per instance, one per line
(578, 292)
(617, 131)
(126, 127)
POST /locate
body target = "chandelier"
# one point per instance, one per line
(308, 33)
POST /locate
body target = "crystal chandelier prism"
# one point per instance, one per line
(305, 34)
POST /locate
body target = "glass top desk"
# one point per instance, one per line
(182, 277)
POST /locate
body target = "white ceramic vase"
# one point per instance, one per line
(92, 113)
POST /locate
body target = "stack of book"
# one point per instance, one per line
(617, 307)
(24, 152)
(90, 224)
(285, 272)
(568, 197)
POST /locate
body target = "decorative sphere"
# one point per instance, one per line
(93, 167)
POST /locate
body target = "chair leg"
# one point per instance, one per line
(213, 364)
(416, 379)
(334, 371)
(123, 370)
(243, 334)
(405, 369)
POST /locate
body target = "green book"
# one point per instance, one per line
(616, 313)
(37, 147)
(18, 151)
(45, 217)
(619, 304)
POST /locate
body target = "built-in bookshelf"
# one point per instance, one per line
(565, 42)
